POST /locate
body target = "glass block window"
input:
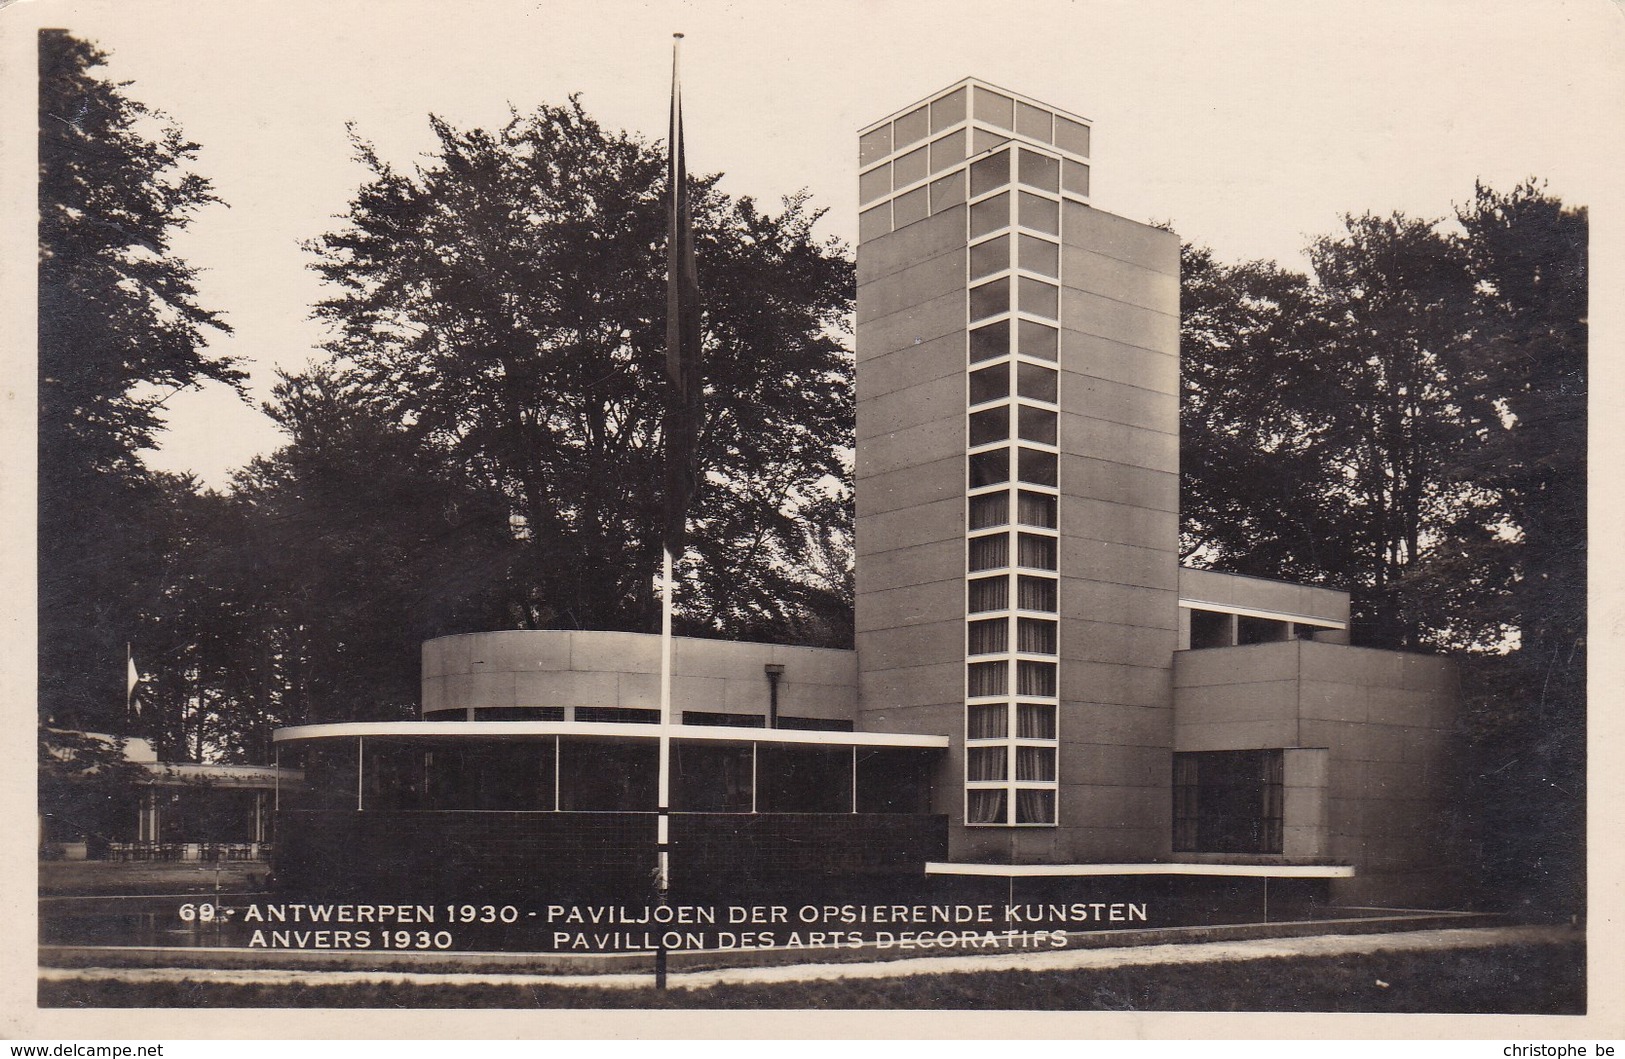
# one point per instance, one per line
(1035, 552)
(992, 340)
(988, 637)
(1035, 720)
(1036, 593)
(988, 593)
(989, 509)
(984, 679)
(986, 721)
(990, 552)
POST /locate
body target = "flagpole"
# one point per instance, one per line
(677, 176)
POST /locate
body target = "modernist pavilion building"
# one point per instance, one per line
(1039, 691)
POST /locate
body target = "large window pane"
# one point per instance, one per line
(989, 257)
(989, 384)
(989, 553)
(1040, 214)
(984, 807)
(990, 215)
(1036, 552)
(992, 424)
(988, 637)
(988, 593)
(1037, 382)
(1036, 593)
(989, 299)
(989, 173)
(986, 721)
(989, 468)
(983, 679)
(990, 341)
(1036, 466)
(986, 763)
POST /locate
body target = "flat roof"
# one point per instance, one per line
(523, 729)
(1270, 871)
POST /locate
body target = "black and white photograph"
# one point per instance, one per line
(1027, 519)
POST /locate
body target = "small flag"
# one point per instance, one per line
(132, 680)
(683, 388)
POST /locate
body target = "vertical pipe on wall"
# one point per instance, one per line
(360, 765)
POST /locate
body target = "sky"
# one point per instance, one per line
(1251, 126)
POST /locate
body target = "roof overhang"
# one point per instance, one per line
(688, 733)
(1266, 871)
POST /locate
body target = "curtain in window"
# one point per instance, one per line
(1036, 552)
(986, 722)
(1035, 763)
(1035, 721)
(989, 593)
(989, 637)
(987, 678)
(984, 807)
(1035, 678)
(986, 763)
(1035, 636)
(1035, 807)
(1035, 593)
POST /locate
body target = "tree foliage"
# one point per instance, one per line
(503, 306)
(1410, 424)
(119, 327)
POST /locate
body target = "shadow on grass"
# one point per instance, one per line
(1537, 979)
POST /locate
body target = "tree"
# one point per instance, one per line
(1511, 565)
(119, 328)
(504, 306)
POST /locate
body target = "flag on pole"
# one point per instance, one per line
(132, 680)
(681, 427)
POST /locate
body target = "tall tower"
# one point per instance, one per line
(1017, 478)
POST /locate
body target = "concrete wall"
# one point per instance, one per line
(1119, 518)
(569, 668)
(1386, 721)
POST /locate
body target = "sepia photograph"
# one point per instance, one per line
(1077, 509)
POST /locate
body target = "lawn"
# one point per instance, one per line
(1523, 979)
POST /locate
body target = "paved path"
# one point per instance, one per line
(1049, 960)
